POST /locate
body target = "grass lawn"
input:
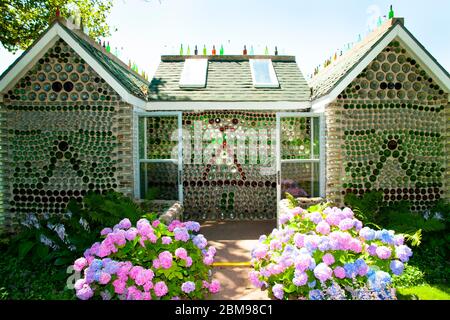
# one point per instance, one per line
(424, 292)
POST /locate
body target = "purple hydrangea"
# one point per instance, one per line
(396, 267)
(200, 241)
(188, 286)
(278, 291)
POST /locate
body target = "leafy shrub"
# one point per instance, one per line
(151, 261)
(411, 276)
(51, 239)
(24, 280)
(326, 250)
(365, 207)
(62, 238)
(101, 210)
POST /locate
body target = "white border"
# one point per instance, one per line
(226, 105)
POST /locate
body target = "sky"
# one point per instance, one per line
(310, 30)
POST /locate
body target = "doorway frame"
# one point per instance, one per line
(322, 149)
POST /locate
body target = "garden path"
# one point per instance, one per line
(234, 241)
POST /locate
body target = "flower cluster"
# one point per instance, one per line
(325, 252)
(149, 261)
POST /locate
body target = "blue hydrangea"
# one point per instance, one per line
(200, 241)
(350, 270)
(367, 233)
(96, 264)
(312, 284)
(386, 236)
(397, 267)
(315, 295)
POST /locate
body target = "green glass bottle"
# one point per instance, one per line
(204, 50)
(181, 50)
(188, 51)
(221, 50)
(391, 12)
(266, 51)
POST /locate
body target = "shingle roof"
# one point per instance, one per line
(129, 79)
(329, 77)
(229, 79)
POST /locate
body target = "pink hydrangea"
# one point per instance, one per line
(328, 259)
(125, 223)
(135, 271)
(119, 286)
(383, 252)
(134, 293)
(181, 253)
(144, 276)
(346, 224)
(104, 278)
(156, 264)
(131, 234)
(188, 262)
(166, 240)
(302, 262)
(146, 296)
(298, 239)
(79, 284)
(79, 264)
(339, 272)
(105, 231)
(208, 260)
(214, 286)
(260, 251)
(85, 292)
(144, 228)
(160, 289)
(323, 272)
(165, 258)
(155, 223)
(323, 227)
(300, 279)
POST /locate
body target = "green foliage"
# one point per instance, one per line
(60, 239)
(366, 208)
(21, 280)
(424, 292)
(56, 239)
(22, 21)
(106, 210)
(411, 276)
(427, 231)
(292, 202)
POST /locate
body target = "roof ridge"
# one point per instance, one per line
(384, 28)
(98, 47)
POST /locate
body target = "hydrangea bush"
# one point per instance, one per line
(149, 261)
(325, 253)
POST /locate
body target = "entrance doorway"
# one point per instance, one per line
(230, 165)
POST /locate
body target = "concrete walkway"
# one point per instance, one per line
(234, 241)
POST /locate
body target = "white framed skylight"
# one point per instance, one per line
(194, 73)
(263, 74)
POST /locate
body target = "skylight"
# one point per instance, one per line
(194, 73)
(263, 74)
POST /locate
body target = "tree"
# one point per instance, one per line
(22, 21)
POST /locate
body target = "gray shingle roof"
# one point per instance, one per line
(229, 79)
(329, 77)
